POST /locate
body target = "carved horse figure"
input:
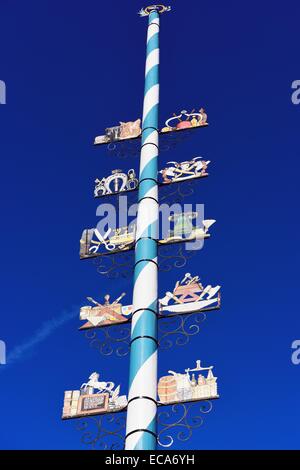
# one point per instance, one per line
(95, 384)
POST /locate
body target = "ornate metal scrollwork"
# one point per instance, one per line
(110, 340)
(179, 421)
(173, 330)
(104, 433)
(174, 256)
(178, 329)
(169, 140)
(124, 148)
(115, 266)
(175, 193)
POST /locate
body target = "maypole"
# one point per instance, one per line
(110, 320)
(142, 406)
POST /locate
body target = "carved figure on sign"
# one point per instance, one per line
(94, 383)
(185, 120)
(94, 397)
(189, 295)
(185, 170)
(104, 314)
(126, 130)
(178, 387)
(117, 182)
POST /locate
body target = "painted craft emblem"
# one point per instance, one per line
(189, 295)
(185, 120)
(92, 241)
(192, 385)
(94, 397)
(117, 182)
(108, 313)
(194, 168)
(183, 228)
(126, 130)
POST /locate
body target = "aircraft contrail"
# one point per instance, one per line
(43, 332)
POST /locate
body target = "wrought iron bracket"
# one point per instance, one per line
(110, 340)
(105, 432)
(176, 330)
(180, 421)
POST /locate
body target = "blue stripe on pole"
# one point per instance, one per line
(149, 191)
(146, 134)
(149, 170)
(145, 325)
(153, 43)
(153, 14)
(147, 440)
(146, 247)
(151, 78)
(147, 184)
(152, 116)
(138, 359)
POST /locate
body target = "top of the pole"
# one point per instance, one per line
(159, 8)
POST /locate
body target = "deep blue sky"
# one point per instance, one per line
(71, 69)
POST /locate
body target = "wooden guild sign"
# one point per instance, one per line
(78, 405)
(185, 120)
(184, 229)
(104, 314)
(182, 171)
(193, 385)
(116, 183)
(126, 130)
(190, 296)
(94, 397)
(92, 242)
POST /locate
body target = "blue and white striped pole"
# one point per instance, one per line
(142, 406)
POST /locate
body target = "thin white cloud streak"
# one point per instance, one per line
(28, 347)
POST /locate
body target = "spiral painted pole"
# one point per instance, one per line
(142, 405)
